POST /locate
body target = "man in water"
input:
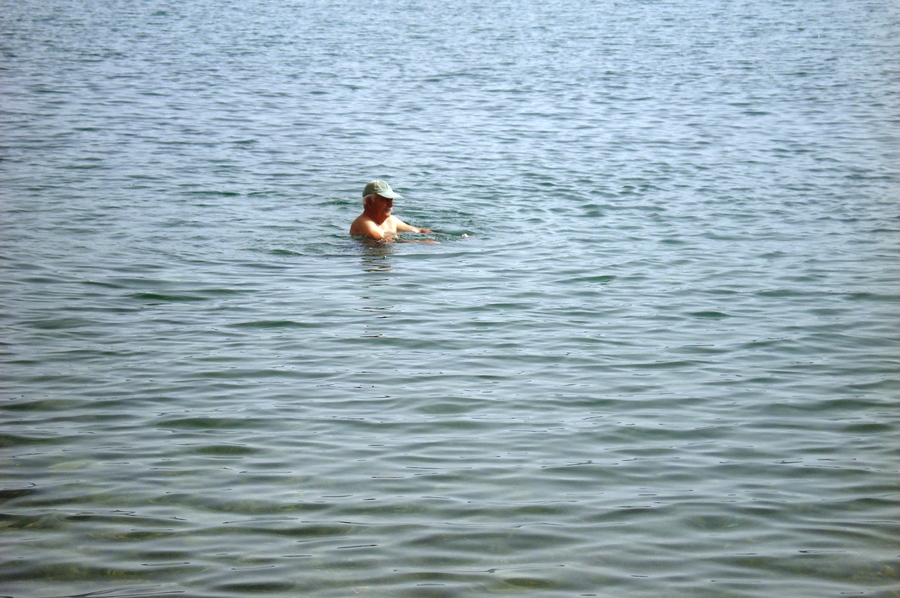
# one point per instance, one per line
(376, 220)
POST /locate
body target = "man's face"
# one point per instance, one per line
(383, 205)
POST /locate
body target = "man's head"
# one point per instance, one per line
(378, 199)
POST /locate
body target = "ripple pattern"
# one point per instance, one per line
(653, 352)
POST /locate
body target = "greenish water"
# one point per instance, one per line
(654, 353)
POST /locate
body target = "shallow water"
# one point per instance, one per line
(653, 353)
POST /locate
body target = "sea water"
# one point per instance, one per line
(652, 350)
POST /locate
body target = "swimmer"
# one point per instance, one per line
(376, 221)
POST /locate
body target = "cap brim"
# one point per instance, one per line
(390, 195)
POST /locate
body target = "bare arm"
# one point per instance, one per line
(406, 228)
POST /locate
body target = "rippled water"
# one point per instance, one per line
(654, 353)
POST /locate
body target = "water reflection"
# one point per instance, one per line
(375, 256)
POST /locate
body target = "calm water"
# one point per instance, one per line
(654, 353)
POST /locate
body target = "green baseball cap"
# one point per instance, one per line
(380, 188)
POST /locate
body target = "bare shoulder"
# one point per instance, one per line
(393, 224)
(363, 225)
(359, 224)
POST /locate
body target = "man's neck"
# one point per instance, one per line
(376, 218)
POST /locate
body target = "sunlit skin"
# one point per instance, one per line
(376, 221)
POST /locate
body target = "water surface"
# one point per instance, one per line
(654, 353)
